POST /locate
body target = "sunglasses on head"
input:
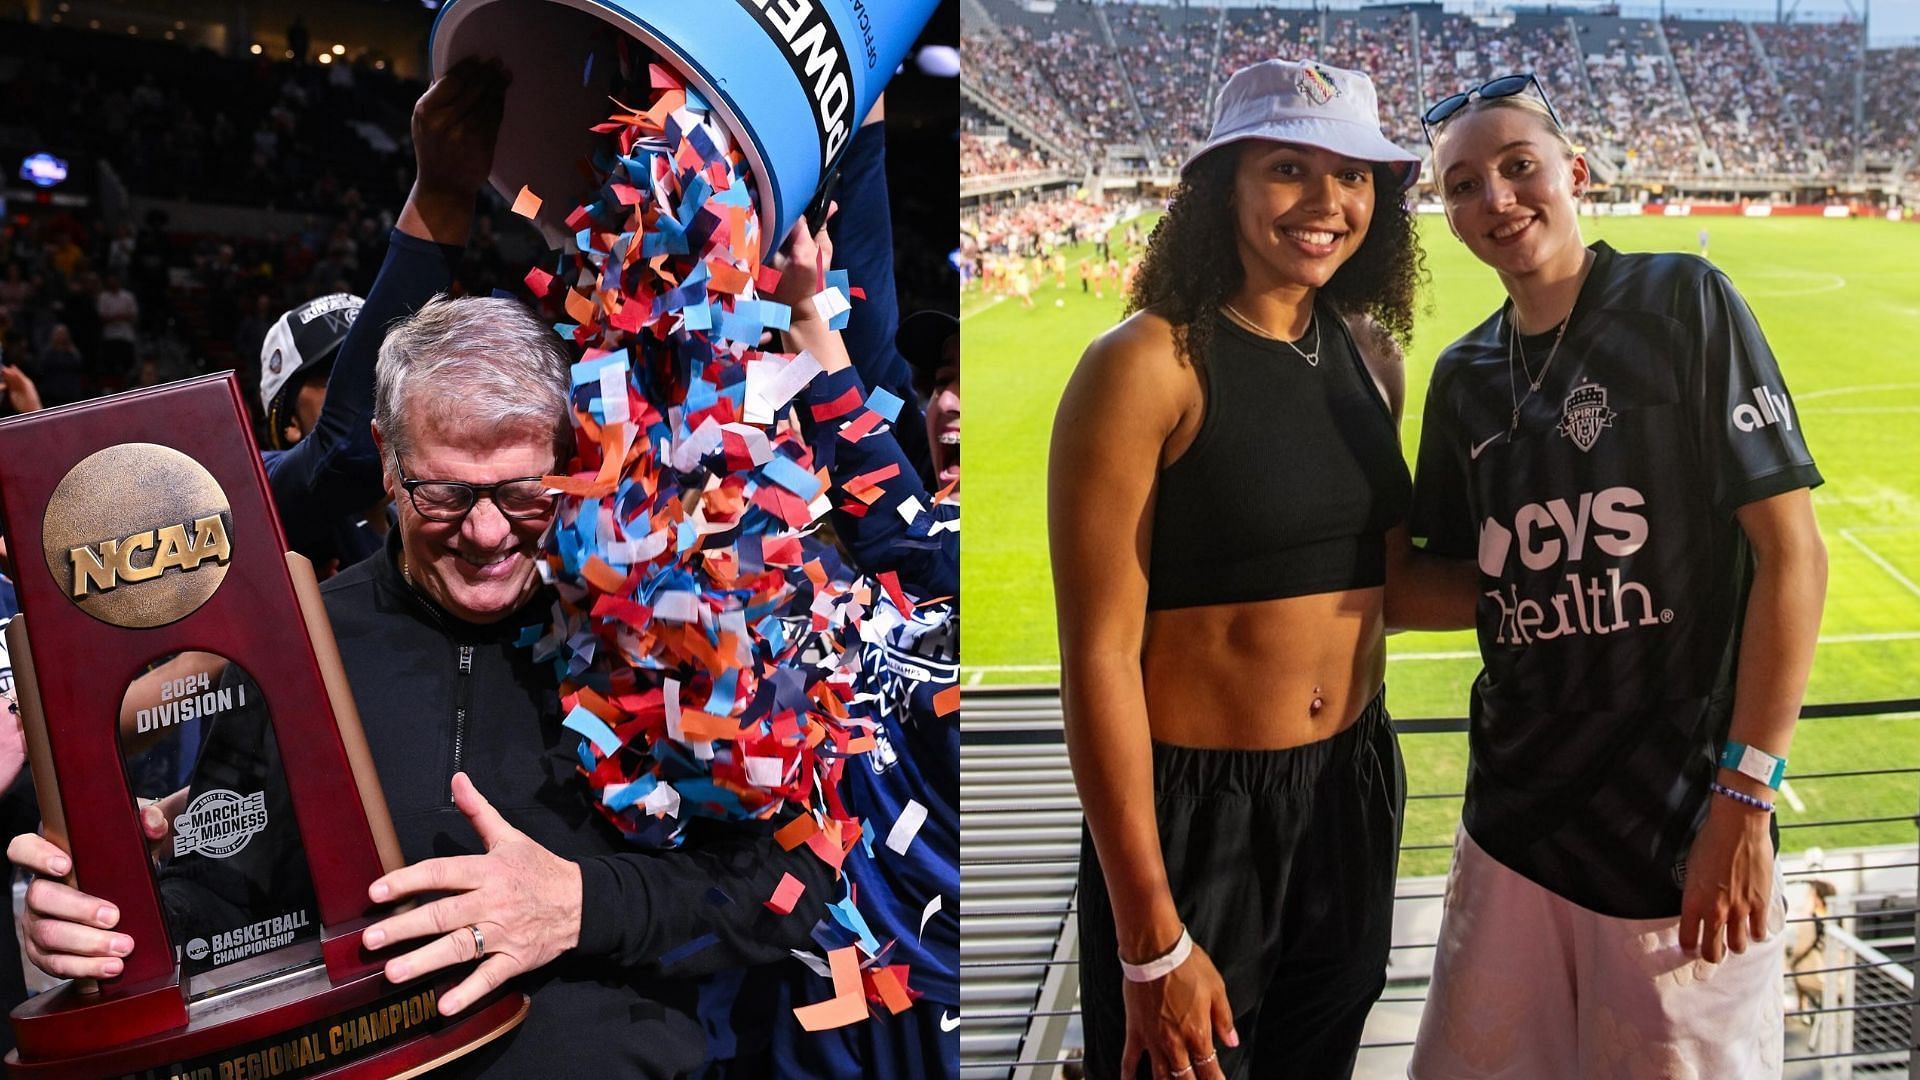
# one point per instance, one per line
(1504, 86)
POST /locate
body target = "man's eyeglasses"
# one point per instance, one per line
(449, 500)
(1504, 86)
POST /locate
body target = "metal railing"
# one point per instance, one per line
(1020, 818)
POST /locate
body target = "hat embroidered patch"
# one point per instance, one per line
(1315, 86)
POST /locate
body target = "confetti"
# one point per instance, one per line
(526, 204)
(706, 654)
(906, 827)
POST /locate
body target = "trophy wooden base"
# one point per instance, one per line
(286, 1027)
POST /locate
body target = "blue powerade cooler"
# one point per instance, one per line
(790, 79)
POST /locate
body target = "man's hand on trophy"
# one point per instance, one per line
(156, 822)
(515, 908)
(68, 934)
(455, 124)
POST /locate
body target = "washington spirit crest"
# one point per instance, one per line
(1314, 85)
(1586, 415)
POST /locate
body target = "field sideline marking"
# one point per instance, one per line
(1847, 534)
(981, 670)
(1834, 282)
(986, 307)
(1836, 390)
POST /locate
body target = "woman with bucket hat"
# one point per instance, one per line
(1226, 492)
(1615, 451)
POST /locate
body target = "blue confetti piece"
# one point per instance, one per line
(586, 74)
(725, 689)
(698, 317)
(783, 471)
(849, 916)
(716, 897)
(584, 239)
(696, 102)
(628, 794)
(698, 277)
(830, 936)
(739, 325)
(737, 195)
(595, 729)
(565, 329)
(695, 197)
(529, 636)
(674, 956)
(884, 403)
(503, 294)
(837, 279)
(701, 142)
(673, 237)
(701, 395)
(686, 537)
(775, 315)
(584, 751)
(588, 371)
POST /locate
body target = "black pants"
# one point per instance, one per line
(1282, 863)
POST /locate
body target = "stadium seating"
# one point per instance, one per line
(1654, 98)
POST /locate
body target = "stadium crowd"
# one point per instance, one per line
(982, 155)
(1682, 95)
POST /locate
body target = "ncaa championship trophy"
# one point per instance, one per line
(171, 648)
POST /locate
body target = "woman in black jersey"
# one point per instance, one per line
(1617, 454)
(1224, 488)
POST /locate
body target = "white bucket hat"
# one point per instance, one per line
(1305, 102)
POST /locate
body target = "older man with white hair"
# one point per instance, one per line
(612, 943)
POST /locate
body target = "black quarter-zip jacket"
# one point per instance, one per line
(437, 695)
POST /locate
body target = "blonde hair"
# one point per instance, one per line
(1526, 103)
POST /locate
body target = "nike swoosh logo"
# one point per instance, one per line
(1473, 452)
(948, 1023)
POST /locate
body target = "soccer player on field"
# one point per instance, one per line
(1617, 449)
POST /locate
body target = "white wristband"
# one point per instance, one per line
(1162, 967)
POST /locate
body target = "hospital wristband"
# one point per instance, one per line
(1163, 966)
(1740, 797)
(1754, 763)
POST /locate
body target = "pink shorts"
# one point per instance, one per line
(1527, 985)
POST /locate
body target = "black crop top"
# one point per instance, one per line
(1291, 483)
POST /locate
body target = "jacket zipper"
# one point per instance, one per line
(461, 689)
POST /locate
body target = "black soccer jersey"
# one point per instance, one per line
(1613, 573)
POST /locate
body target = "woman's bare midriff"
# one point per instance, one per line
(1244, 676)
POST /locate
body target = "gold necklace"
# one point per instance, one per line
(1313, 324)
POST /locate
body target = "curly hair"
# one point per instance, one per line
(1190, 267)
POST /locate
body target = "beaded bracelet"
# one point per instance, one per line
(1740, 797)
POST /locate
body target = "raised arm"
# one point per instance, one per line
(335, 471)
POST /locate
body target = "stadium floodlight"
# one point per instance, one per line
(940, 61)
(43, 170)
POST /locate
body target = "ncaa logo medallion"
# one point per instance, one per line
(1585, 415)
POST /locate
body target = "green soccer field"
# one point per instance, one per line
(1840, 302)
